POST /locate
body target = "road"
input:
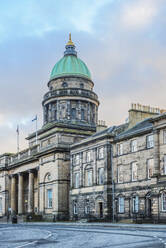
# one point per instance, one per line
(78, 236)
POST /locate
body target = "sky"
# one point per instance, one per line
(123, 43)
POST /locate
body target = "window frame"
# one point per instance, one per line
(121, 208)
(120, 149)
(149, 143)
(132, 164)
(132, 147)
(148, 169)
(76, 180)
(118, 174)
(162, 202)
(99, 176)
(48, 199)
(75, 207)
(135, 210)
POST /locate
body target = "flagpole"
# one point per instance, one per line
(36, 129)
(18, 139)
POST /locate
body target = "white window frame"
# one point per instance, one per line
(101, 152)
(120, 149)
(121, 203)
(150, 167)
(162, 201)
(77, 159)
(76, 180)
(164, 165)
(150, 141)
(135, 204)
(49, 200)
(132, 171)
(134, 147)
(89, 177)
(88, 156)
(101, 175)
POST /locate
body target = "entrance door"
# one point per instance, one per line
(101, 209)
(148, 207)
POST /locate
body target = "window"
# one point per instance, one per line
(75, 207)
(49, 198)
(149, 141)
(120, 149)
(121, 204)
(88, 156)
(87, 207)
(0, 204)
(64, 84)
(77, 159)
(150, 163)
(76, 180)
(163, 197)
(164, 165)
(164, 136)
(73, 113)
(134, 171)
(120, 174)
(134, 146)
(81, 85)
(82, 114)
(88, 178)
(101, 175)
(100, 152)
(135, 204)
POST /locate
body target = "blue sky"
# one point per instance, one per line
(123, 43)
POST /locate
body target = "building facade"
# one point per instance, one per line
(77, 168)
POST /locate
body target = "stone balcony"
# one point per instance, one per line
(71, 92)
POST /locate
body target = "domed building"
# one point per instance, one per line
(37, 178)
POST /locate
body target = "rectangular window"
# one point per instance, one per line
(101, 153)
(164, 136)
(88, 156)
(149, 141)
(76, 180)
(75, 207)
(150, 164)
(134, 146)
(0, 204)
(164, 165)
(89, 178)
(120, 174)
(77, 159)
(135, 204)
(163, 202)
(121, 204)
(49, 198)
(120, 149)
(134, 171)
(101, 175)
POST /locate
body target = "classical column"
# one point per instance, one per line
(20, 193)
(156, 153)
(13, 193)
(31, 192)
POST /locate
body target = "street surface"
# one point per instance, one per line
(54, 235)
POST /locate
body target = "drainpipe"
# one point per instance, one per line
(113, 185)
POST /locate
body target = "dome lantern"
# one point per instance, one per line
(70, 47)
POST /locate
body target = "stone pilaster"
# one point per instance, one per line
(13, 193)
(31, 192)
(20, 193)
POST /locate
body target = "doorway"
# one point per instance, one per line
(101, 209)
(148, 207)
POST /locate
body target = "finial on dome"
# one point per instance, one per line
(70, 43)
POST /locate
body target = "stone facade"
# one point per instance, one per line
(134, 174)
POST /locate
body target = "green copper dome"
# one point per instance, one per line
(70, 65)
